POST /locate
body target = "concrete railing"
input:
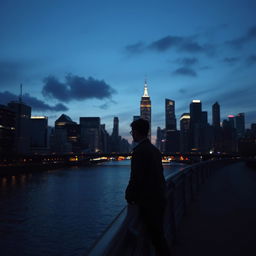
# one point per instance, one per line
(125, 235)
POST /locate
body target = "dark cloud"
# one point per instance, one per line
(36, 104)
(185, 71)
(183, 44)
(251, 60)
(241, 41)
(166, 43)
(187, 61)
(231, 60)
(76, 88)
(135, 48)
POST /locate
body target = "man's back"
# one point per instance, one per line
(147, 183)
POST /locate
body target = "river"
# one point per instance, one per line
(61, 212)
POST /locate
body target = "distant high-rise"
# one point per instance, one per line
(196, 124)
(216, 115)
(115, 132)
(90, 133)
(39, 134)
(240, 125)
(145, 108)
(195, 112)
(115, 138)
(185, 132)
(160, 139)
(170, 119)
(66, 135)
(217, 130)
(7, 130)
(22, 136)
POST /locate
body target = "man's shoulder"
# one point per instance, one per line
(146, 146)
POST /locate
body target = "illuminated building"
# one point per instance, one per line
(185, 133)
(145, 108)
(39, 134)
(170, 119)
(7, 130)
(90, 134)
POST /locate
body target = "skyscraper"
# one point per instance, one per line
(195, 124)
(170, 119)
(22, 136)
(66, 135)
(115, 132)
(90, 133)
(240, 125)
(39, 134)
(115, 138)
(185, 132)
(7, 130)
(145, 108)
(216, 115)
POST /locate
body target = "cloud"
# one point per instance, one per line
(183, 44)
(36, 104)
(187, 61)
(135, 48)
(251, 60)
(231, 60)
(166, 43)
(246, 38)
(76, 88)
(185, 71)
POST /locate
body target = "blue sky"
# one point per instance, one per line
(90, 58)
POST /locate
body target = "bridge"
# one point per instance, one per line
(211, 211)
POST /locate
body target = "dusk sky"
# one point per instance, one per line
(90, 58)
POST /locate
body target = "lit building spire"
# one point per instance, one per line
(145, 90)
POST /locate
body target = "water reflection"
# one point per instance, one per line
(61, 212)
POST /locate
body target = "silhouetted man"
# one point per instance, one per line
(146, 187)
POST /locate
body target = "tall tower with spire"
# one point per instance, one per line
(145, 107)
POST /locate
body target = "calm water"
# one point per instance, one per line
(60, 212)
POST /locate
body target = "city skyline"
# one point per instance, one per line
(91, 58)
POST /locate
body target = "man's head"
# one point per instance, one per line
(140, 129)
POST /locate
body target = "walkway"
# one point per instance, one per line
(222, 219)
